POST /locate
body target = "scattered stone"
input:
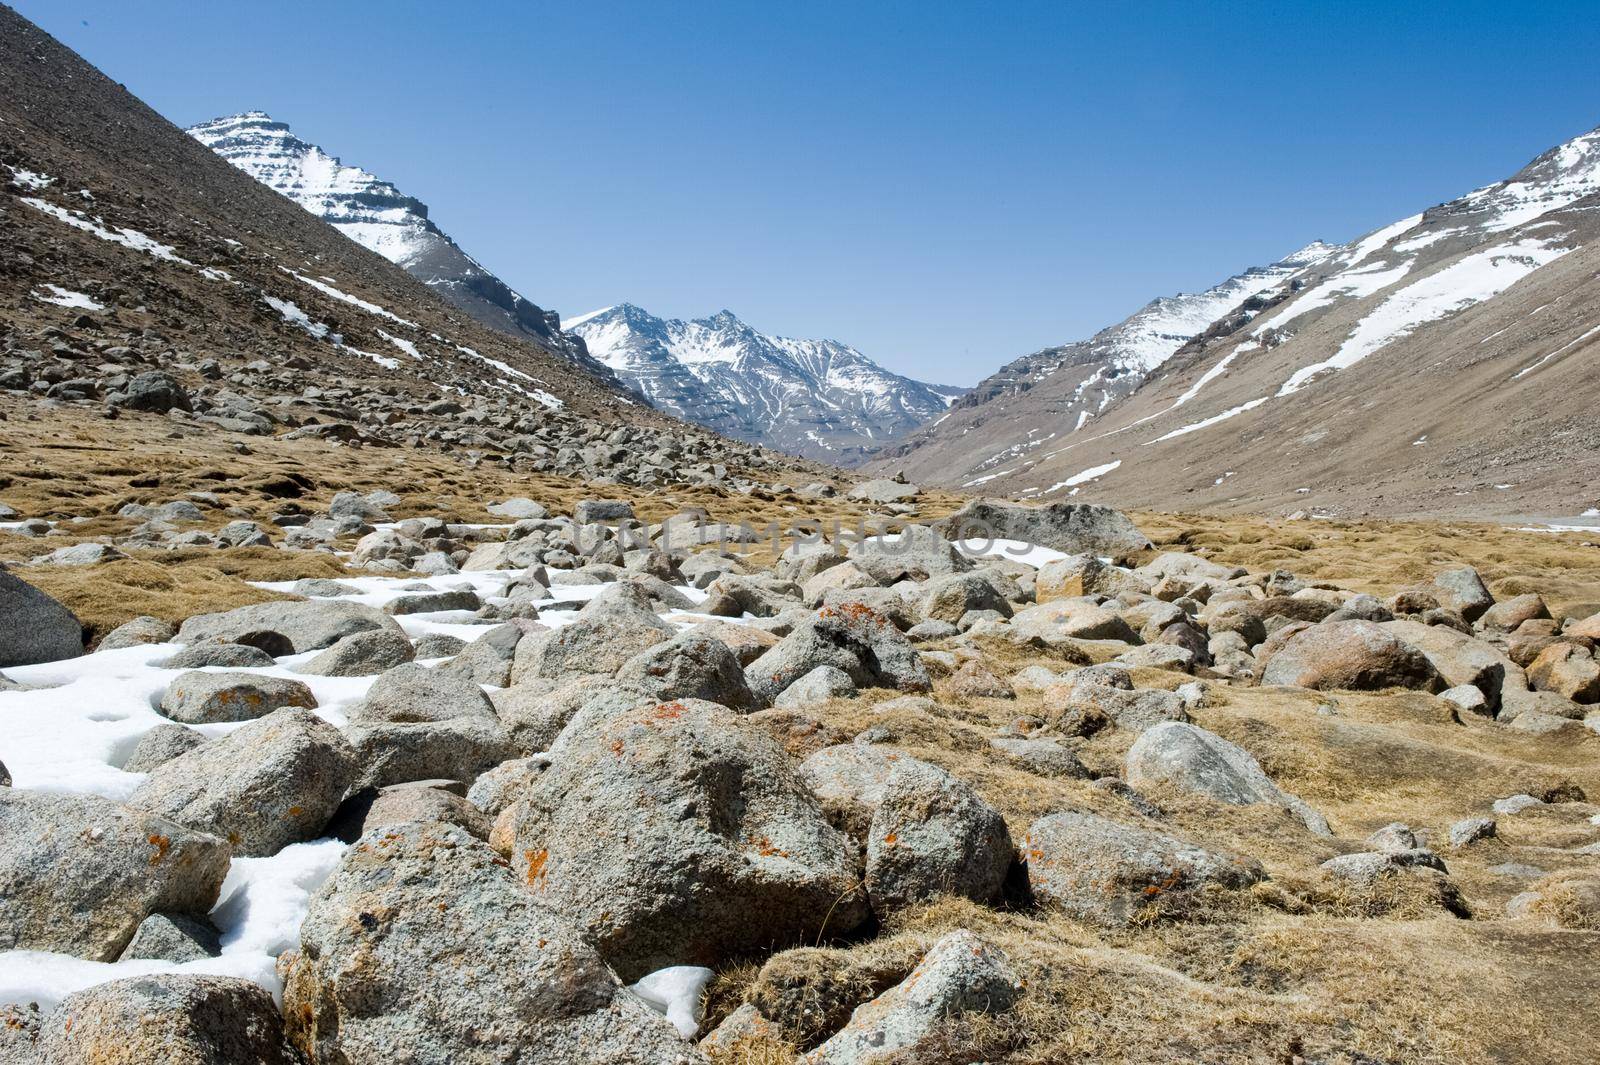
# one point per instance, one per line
(269, 783)
(416, 723)
(1471, 830)
(691, 665)
(932, 834)
(1350, 655)
(1112, 874)
(855, 639)
(820, 685)
(201, 698)
(218, 655)
(361, 654)
(173, 937)
(167, 1019)
(1076, 528)
(1193, 760)
(305, 626)
(960, 974)
(79, 873)
(140, 630)
(367, 989)
(162, 744)
(732, 857)
(33, 626)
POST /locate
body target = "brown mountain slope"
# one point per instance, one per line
(126, 246)
(1441, 365)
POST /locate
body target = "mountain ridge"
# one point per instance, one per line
(821, 399)
(1421, 341)
(377, 215)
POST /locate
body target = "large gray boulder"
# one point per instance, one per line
(1076, 528)
(1353, 655)
(78, 873)
(1074, 619)
(267, 784)
(959, 974)
(691, 665)
(423, 947)
(33, 626)
(949, 597)
(916, 553)
(201, 698)
(849, 779)
(1461, 659)
(307, 626)
(488, 659)
(140, 630)
(167, 1019)
(675, 835)
(162, 744)
(418, 723)
(933, 835)
(853, 638)
(610, 629)
(1191, 759)
(362, 654)
(1112, 874)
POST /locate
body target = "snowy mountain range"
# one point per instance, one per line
(817, 398)
(1442, 362)
(378, 216)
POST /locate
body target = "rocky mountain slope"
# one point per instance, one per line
(376, 215)
(1441, 364)
(132, 250)
(817, 398)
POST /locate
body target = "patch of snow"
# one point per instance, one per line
(1563, 348)
(344, 297)
(1467, 281)
(1206, 423)
(1085, 476)
(65, 297)
(404, 345)
(128, 238)
(259, 911)
(29, 179)
(292, 314)
(676, 991)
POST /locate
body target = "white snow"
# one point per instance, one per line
(1214, 372)
(128, 238)
(677, 991)
(569, 324)
(65, 297)
(1085, 476)
(295, 316)
(1469, 280)
(404, 345)
(1208, 422)
(1563, 348)
(1375, 241)
(344, 297)
(29, 179)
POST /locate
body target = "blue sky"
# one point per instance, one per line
(944, 186)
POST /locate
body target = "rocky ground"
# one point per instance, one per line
(419, 758)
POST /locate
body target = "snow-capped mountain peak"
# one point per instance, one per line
(374, 213)
(818, 398)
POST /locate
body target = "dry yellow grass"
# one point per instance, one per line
(1297, 969)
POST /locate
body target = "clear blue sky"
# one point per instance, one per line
(944, 186)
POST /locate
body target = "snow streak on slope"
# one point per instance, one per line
(1466, 281)
(817, 398)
